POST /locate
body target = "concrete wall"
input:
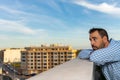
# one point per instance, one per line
(75, 69)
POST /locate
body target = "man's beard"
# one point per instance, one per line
(100, 47)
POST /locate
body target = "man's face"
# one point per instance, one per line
(97, 42)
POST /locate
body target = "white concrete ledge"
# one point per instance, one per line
(75, 69)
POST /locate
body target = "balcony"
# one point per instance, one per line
(75, 69)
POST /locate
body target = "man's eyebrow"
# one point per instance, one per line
(94, 37)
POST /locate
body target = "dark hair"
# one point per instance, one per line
(101, 31)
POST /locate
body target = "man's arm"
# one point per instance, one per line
(85, 54)
(107, 55)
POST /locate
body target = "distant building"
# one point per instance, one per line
(12, 55)
(2, 54)
(39, 59)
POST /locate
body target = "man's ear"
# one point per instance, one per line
(105, 39)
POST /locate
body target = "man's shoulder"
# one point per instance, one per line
(114, 44)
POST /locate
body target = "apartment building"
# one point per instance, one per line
(39, 59)
(11, 55)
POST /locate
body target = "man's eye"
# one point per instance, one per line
(94, 39)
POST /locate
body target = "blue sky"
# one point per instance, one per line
(67, 22)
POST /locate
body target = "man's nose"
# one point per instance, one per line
(92, 42)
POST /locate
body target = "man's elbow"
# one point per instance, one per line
(96, 60)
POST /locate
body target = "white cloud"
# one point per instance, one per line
(12, 26)
(103, 7)
(10, 10)
(53, 4)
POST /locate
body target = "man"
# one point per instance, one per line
(105, 53)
